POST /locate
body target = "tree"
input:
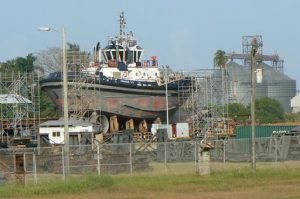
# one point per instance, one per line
(19, 64)
(238, 112)
(268, 110)
(48, 108)
(50, 60)
(220, 60)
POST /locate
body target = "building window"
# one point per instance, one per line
(56, 134)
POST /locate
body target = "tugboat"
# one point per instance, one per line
(129, 88)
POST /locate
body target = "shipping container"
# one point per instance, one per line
(263, 131)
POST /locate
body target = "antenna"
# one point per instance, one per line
(122, 23)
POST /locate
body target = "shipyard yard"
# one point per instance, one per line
(115, 121)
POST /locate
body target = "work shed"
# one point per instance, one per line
(80, 132)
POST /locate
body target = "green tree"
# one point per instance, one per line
(48, 108)
(26, 65)
(19, 64)
(220, 60)
(268, 110)
(238, 112)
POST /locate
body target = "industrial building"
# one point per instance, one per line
(295, 103)
(80, 132)
(237, 77)
(275, 85)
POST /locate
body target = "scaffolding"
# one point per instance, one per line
(83, 91)
(274, 59)
(19, 105)
(205, 105)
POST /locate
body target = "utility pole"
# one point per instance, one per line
(167, 99)
(66, 109)
(65, 97)
(253, 91)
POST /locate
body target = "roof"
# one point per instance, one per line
(13, 99)
(236, 70)
(60, 123)
(273, 75)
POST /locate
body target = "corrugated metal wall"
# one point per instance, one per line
(275, 85)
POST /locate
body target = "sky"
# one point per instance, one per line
(182, 34)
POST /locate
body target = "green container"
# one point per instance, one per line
(262, 131)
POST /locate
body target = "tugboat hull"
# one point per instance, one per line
(138, 103)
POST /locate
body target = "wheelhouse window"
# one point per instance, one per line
(56, 134)
(121, 54)
(129, 57)
(108, 55)
(139, 55)
(105, 56)
(114, 54)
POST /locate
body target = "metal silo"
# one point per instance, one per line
(275, 85)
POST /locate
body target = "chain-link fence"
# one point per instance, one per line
(44, 164)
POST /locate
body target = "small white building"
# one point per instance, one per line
(80, 132)
(295, 103)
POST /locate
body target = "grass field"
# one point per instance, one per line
(228, 183)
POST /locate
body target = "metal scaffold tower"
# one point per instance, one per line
(20, 105)
(246, 44)
(207, 117)
(82, 93)
(274, 59)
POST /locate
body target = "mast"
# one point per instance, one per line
(122, 24)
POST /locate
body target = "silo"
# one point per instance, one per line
(280, 86)
(275, 84)
(238, 81)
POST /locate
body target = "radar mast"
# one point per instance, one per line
(122, 24)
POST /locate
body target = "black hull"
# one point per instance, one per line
(126, 100)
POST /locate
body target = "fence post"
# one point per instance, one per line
(224, 152)
(276, 149)
(25, 169)
(98, 159)
(63, 164)
(204, 160)
(165, 146)
(195, 152)
(130, 158)
(15, 168)
(34, 168)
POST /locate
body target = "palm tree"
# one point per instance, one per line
(220, 60)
